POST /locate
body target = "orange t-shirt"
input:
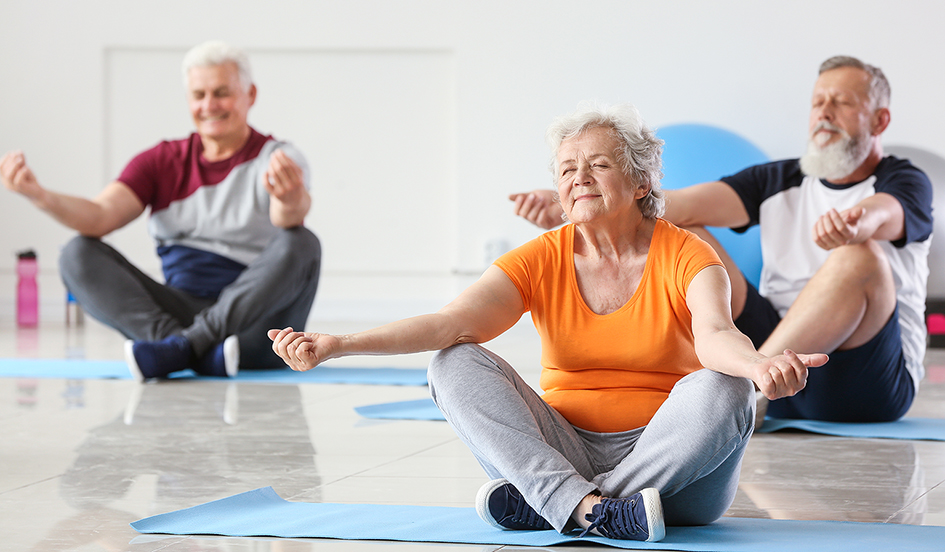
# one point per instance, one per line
(609, 373)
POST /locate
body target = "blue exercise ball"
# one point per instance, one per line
(696, 153)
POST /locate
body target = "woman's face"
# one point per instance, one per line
(591, 183)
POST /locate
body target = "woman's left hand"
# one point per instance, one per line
(784, 375)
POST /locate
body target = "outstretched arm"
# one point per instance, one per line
(721, 347)
(480, 313)
(111, 209)
(707, 204)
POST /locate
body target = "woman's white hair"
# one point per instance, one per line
(640, 151)
(217, 52)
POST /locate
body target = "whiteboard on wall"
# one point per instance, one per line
(377, 128)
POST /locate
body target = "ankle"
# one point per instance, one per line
(586, 506)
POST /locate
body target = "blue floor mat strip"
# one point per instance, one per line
(921, 429)
(262, 513)
(117, 369)
(420, 409)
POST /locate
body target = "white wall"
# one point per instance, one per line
(419, 117)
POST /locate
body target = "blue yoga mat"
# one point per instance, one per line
(420, 409)
(117, 369)
(262, 513)
(922, 429)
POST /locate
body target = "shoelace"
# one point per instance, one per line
(527, 515)
(616, 519)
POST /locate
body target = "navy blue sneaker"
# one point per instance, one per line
(157, 359)
(500, 505)
(223, 361)
(637, 517)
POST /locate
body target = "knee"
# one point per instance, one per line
(74, 258)
(298, 241)
(858, 262)
(730, 394)
(295, 249)
(449, 365)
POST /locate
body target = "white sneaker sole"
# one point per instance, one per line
(482, 501)
(231, 356)
(132, 363)
(654, 514)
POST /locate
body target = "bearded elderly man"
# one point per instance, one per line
(845, 235)
(227, 207)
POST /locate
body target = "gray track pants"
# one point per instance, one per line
(690, 451)
(276, 290)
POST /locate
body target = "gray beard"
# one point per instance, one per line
(835, 161)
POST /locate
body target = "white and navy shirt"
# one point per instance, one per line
(786, 204)
(208, 219)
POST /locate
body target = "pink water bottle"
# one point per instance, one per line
(27, 290)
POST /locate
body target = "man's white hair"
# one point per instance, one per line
(879, 87)
(217, 52)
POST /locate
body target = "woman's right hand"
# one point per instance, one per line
(303, 351)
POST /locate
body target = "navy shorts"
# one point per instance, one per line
(867, 384)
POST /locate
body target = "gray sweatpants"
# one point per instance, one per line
(274, 291)
(691, 450)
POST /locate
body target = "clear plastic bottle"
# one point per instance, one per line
(27, 290)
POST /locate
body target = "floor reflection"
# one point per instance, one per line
(188, 443)
(832, 478)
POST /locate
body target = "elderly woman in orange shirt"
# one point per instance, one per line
(648, 386)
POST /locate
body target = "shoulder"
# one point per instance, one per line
(681, 242)
(171, 149)
(680, 253)
(892, 168)
(541, 248)
(777, 171)
(267, 143)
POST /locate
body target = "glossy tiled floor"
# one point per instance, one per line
(81, 459)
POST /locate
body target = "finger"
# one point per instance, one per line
(814, 360)
(852, 216)
(286, 165)
(270, 182)
(278, 346)
(774, 386)
(766, 386)
(276, 334)
(296, 349)
(280, 340)
(307, 356)
(828, 235)
(795, 372)
(533, 207)
(819, 233)
(519, 202)
(839, 228)
(285, 173)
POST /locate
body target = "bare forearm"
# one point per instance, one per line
(428, 332)
(728, 352)
(80, 214)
